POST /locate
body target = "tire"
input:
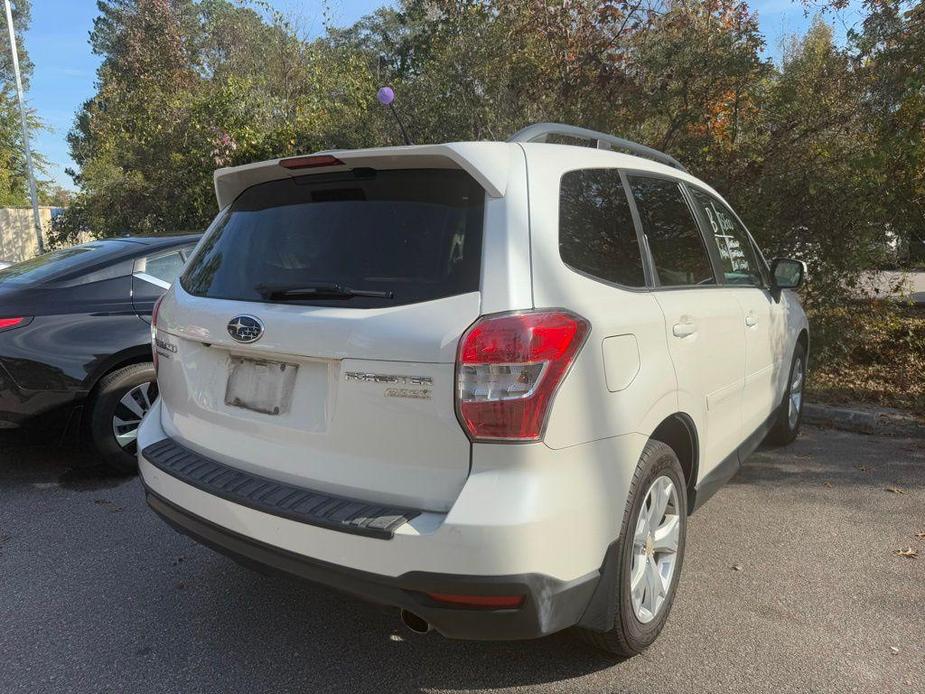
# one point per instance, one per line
(787, 427)
(635, 627)
(136, 385)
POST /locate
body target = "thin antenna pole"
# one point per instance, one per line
(33, 193)
(386, 97)
(400, 124)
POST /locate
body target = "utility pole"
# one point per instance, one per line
(33, 193)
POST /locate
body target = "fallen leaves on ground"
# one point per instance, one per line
(895, 490)
(921, 536)
(908, 553)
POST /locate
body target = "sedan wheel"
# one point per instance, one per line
(131, 409)
(120, 402)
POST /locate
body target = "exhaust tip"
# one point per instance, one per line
(418, 625)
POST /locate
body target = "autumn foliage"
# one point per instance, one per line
(822, 153)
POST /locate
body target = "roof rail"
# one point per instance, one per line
(539, 132)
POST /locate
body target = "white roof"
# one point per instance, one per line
(487, 162)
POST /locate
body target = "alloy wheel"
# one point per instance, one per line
(796, 394)
(655, 549)
(129, 412)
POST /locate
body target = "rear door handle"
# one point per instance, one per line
(751, 319)
(683, 329)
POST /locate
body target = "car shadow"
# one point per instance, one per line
(809, 462)
(329, 627)
(27, 458)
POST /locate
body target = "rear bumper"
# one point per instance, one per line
(550, 605)
(23, 408)
(529, 521)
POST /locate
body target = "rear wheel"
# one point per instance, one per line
(122, 399)
(790, 415)
(650, 553)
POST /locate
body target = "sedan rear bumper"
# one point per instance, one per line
(21, 408)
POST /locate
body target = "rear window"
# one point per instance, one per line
(54, 264)
(414, 235)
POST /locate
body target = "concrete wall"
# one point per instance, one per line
(17, 233)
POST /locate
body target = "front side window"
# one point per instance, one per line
(737, 255)
(596, 232)
(674, 238)
(361, 239)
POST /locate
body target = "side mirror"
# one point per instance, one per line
(788, 273)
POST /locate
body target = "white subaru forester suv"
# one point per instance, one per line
(483, 382)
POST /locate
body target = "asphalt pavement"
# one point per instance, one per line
(791, 583)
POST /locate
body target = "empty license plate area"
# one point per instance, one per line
(260, 385)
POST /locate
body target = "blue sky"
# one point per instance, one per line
(65, 68)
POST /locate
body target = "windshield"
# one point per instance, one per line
(56, 263)
(360, 239)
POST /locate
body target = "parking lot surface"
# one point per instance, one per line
(791, 583)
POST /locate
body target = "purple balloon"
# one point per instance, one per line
(385, 95)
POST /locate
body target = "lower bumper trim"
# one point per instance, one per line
(550, 605)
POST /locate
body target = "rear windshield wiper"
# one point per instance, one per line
(320, 291)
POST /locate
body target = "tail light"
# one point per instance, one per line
(17, 322)
(508, 369)
(154, 312)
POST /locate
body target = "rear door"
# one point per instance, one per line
(704, 328)
(743, 278)
(312, 337)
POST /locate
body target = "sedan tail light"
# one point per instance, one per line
(17, 322)
(508, 369)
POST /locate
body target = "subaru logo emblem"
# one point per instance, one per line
(245, 328)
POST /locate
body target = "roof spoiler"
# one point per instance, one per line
(540, 132)
(484, 161)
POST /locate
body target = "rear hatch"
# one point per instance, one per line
(312, 337)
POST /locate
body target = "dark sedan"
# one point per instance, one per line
(75, 340)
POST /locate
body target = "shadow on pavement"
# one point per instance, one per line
(25, 457)
(827, 458)
(366, 645)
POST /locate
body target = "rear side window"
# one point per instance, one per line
(674, 238)
(409, 235)
(165, 267)
(596, 232)
(736, 254)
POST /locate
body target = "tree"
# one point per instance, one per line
(891, 58)
(186, 87)
(22, 18)
(801, 149)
